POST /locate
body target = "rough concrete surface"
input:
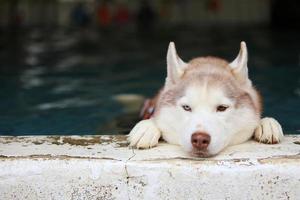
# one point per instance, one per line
(103, 167)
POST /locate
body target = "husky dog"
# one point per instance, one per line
(206, 105)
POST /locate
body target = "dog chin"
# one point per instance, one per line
(201, 154)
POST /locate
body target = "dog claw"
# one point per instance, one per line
(269, 131)
(144, 135)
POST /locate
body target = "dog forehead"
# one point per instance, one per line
(201, 87)
(205, 93)
(212, 84)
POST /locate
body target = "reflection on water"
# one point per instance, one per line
(65, 82)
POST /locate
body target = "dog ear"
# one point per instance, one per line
(239, 65)
(175, 66)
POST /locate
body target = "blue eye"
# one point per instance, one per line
(186, 108)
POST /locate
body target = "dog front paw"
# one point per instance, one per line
(144, 135)
(269, 131)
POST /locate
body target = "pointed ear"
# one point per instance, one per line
(239, 65)
(175, 66)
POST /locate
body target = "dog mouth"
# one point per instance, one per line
(200, 153)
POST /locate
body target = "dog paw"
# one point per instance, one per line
(269, 131)
(144, 135)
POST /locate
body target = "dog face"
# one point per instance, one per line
(207, 104)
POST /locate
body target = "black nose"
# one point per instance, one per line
(200, 140)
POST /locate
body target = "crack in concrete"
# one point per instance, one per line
(126, 171)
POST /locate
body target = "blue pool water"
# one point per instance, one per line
(63, 82)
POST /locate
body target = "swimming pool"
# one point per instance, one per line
(64, 82)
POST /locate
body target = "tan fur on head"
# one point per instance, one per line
(208, 96)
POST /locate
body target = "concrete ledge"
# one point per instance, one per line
(103, 167)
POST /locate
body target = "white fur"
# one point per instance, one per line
(239, 65)
(233, 126)
(225, 128)
(175, 66)
(269, 131)
(145, 134)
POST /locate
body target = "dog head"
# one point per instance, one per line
(207, 104)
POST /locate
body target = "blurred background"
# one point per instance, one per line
(67, 66)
